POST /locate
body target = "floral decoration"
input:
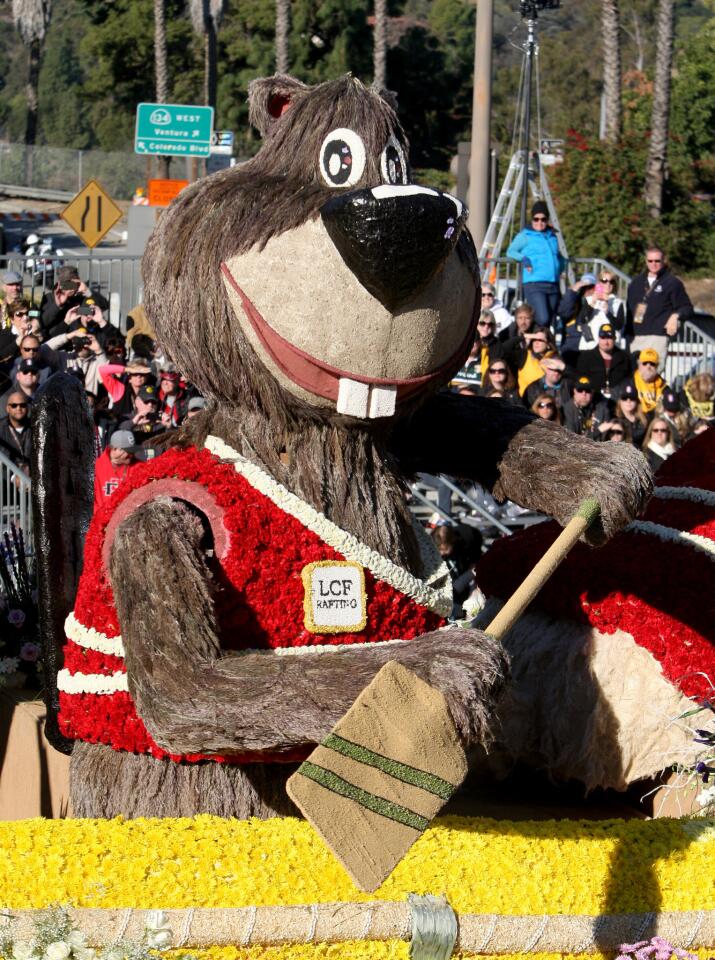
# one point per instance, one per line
(20, 664)
(483, 866)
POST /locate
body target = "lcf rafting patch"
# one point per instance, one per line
(335, 600)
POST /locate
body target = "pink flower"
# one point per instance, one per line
(16, 618)
(30, 651)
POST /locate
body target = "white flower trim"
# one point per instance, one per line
(672, 535)
(435, 592)
(91, 682)
(696, 494)
(92, 639)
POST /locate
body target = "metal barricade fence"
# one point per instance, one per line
(117, 276)
(690, 353)
(15, 500)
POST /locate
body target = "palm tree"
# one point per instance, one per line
(206, 17)
(660, 114)
(31, 18)
(282, 31)
(161, 70)
(610, 29)
(379, 49)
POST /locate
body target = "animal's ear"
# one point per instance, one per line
(270, 97)
(389, 96)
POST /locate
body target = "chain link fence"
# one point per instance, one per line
(56, 168)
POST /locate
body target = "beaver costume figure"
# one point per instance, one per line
(320, 300)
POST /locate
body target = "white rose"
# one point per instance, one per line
(159, 939)
(59, 950)
(23, 951)
(77, 939)
(84, 953)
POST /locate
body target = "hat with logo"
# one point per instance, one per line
(584, 384)
(628, 392)
(149, 394)
(671, 403)
(589, 279)
(123, 440)
(605, 330)
(649, 356)
(10, 276)
(28, 366)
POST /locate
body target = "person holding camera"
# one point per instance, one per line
(68, 293)
(146, 421)
(80, 353)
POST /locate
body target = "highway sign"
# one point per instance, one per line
(173, 129)
(222, 143)
(91, 214)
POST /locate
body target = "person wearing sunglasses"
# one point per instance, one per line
(607, 366)
(657, 304)
(490, 301)
(583, 414)
(487, 348)
(536, 248)
(648, 382)
(499, 382)
(15, 432)
(545, 407)
(659, 442)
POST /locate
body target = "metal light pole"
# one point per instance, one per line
(531, 49)
(479, 162)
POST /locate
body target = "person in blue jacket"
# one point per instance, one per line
(536, 248)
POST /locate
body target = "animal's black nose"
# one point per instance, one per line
(394, 238)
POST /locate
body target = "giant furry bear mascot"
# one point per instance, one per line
(320, 299)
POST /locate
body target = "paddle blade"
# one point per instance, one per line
(388, 767)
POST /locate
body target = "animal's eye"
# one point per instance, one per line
(342, 158)
(393, 163)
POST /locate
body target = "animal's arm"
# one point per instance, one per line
(519, 457)
(194, 698)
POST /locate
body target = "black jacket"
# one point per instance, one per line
(591, 364)
(665, 297)
(16, 446)
(585, 420)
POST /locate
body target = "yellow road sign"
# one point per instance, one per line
(91, 214)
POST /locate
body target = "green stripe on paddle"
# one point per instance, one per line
(393, 768)
(385, 808)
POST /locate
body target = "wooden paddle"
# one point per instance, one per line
(392, 762)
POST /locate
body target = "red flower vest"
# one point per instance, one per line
(293, 581)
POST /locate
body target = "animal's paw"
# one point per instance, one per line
(546, 468)
(469, 668)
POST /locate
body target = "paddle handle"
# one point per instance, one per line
(525, 593)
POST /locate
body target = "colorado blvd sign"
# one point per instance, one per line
(172, 129)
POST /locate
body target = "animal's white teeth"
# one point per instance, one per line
(353, 398)
(382, 402)
(357, 399)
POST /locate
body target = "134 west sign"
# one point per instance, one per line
(173, 129)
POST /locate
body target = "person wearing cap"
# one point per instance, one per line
(628, 409)
(583, 414)
(671, 409)
(196, 405)
(172, 395)
(145, 422)
(114, 465)
(657, 305)
(81, 354)
(68, 292)
(123, 383)
(27, 381)
(648, 382)
(11, 291)
(491, 302)
(15, 432)
(607, 366)
(30, 348)
(536, 248)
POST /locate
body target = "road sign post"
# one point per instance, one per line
(91, 214)
(173, 130)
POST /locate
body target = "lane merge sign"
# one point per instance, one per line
(173, 129)
(91, 214)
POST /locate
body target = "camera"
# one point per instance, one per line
(86, 310)
(80, 343)
(529, 9)
(92, 326)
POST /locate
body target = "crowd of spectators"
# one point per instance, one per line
(589, 360)
(133, 391)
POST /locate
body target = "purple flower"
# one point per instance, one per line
(16, 618)
(30, 651)
(632, 947)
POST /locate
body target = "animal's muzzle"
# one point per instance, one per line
(394, 238)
